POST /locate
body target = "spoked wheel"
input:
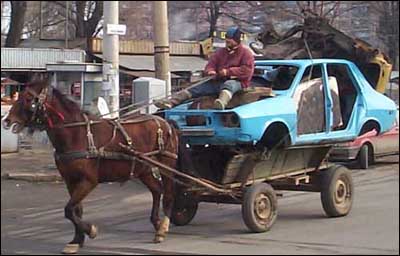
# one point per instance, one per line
(184, 210)
(337, 191)
(259, 207)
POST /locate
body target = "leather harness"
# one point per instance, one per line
(92, 152)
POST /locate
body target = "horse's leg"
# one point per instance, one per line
(155, 187)
(168, 200)
(79, 237)
(73, 211)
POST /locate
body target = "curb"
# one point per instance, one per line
(33, 177)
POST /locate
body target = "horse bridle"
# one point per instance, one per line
(38, 107)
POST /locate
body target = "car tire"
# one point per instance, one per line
(259, 207)
(363, 157)
(337, 191)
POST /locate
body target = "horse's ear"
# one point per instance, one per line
(39, 79)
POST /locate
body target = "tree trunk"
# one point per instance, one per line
(80, 19)
(18, 9)
(86, 28)
(214, 15)
(92, 23)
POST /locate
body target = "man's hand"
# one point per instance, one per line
(223, 72)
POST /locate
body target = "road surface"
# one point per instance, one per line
(32, 221)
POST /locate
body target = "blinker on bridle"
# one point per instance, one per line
(40, 104)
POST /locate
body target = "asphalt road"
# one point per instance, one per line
(32, 221)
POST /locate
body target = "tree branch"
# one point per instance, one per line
(47, 25)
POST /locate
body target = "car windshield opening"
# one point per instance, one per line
(278, 77)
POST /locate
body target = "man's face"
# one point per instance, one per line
(230, 43)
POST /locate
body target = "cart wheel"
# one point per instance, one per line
(184, 210)
(259, 207)
(337, 191)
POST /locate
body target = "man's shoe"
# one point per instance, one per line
(224, 97)
(175, 100)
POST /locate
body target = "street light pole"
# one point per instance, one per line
(161, 43)
(111, 59)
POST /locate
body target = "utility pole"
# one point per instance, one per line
(111, 58)
(66, 23)
(41, 20)
(161, 43)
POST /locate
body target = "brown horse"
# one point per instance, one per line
(88, 152)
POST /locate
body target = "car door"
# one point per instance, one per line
(335, 119)
(310, 98)
(347, 105)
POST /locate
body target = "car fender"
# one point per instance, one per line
(256, 117)
(273, 121)
(365, 138)
(369, 119)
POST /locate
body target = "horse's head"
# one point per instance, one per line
(27, 111)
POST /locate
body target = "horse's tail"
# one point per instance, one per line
(176, 136)
(175, 132)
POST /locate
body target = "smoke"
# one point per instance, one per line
(182, 26)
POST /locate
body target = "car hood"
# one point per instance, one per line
(278, 105)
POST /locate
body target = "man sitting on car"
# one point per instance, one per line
(232, 67)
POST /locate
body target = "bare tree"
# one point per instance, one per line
(18, 9)
(388, 27)
(216, 13)
(88, 16)
(84, 16)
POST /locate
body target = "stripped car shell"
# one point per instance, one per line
(278, 116)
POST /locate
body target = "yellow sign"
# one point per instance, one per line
(222, 35)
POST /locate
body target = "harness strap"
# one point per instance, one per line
(81, 123)
(92, 147)
(108, 155)
(124, 133)
(160, 135)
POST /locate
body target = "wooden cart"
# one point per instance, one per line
(251, 179)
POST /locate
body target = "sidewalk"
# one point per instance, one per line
(34, 162)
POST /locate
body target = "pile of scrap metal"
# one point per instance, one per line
(320, 40)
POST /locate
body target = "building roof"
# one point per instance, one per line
(25, 59)
(79, 43)
(146, 62)
(144, 73)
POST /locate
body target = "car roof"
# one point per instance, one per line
(300, 62)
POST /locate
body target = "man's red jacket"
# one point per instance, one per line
(238, 62)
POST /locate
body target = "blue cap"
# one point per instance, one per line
(234, 33)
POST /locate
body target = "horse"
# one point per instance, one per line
(90, 150)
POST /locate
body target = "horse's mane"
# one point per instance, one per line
(67, 103)
(71, 105)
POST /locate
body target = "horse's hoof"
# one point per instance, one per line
(158, 239)
(165, 225)
(71, 249)
(93, 232)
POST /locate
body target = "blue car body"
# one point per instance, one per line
(255, 118)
